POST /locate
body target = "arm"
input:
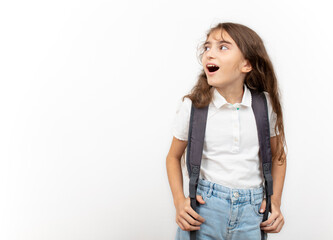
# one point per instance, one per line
(275, 221)
(186, 217)
(174, 171)
(278, 175)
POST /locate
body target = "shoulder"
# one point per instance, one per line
(269, 102)
(181, 121)
(271, 115)
(184, 105)
(269, 105)
(267, 95)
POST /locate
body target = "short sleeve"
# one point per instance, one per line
(181, 120)
(271, 115)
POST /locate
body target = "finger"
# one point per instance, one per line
(187, 226)
(188, 217)
(263, 206)
(270, 226)
(279, 227)
(275, 227)
(270, 220)
(200, 199)
(180, 224)
(195, 215)
(275, 230)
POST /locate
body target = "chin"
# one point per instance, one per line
(212, 82)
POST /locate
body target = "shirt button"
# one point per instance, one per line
(236, 139)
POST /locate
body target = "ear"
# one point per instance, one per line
(247, 66)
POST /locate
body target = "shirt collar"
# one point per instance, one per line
(219, 100)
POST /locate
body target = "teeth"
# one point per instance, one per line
(210, 65)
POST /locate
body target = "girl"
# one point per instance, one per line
(231, 184)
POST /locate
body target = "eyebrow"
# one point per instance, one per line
(208, 42)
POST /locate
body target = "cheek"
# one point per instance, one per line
(227, 68)
(231, 63)
(231, 67)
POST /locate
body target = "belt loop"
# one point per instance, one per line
(252, 197)
(211, 185)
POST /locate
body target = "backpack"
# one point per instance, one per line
(196, 134)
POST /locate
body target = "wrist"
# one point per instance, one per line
(178, 199)
(276, 201)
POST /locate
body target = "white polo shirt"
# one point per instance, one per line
(231, 147)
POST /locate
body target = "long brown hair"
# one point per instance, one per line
(260, 78)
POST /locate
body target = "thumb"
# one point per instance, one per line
(200, 200)
(263, 206)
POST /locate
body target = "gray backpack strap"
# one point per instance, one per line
(259, 106)
(195, 143)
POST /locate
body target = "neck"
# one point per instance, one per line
(232, 94)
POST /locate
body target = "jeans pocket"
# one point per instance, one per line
(203, 194)
(256, 209)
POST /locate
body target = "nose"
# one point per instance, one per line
(210, 53)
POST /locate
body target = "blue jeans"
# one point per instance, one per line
(230, 214)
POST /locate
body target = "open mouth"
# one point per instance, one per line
(212, 68)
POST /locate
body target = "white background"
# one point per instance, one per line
(89, 90)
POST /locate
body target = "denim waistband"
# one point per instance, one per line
(242, 195)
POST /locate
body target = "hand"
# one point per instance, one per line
(275, 221)
(184, 213)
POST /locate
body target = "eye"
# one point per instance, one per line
(205, 48)
(223, 46)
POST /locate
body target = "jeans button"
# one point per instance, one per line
(236, 195)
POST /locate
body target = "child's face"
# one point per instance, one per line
(232, 65)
